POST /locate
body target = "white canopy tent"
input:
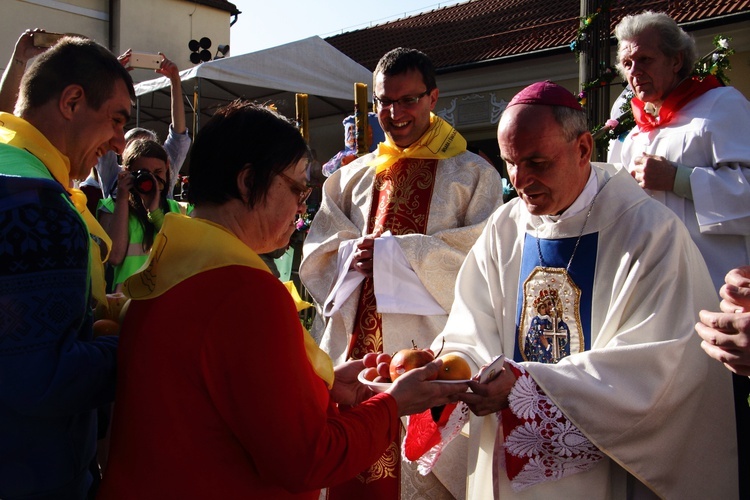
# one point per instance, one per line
(311, 66)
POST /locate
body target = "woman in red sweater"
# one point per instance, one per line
(221, 393)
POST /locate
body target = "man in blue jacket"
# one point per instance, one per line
(73, 103)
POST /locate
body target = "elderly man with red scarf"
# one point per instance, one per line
(690, 151)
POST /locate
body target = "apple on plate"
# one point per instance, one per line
(408, 359)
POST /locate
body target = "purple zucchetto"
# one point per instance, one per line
(548, 94)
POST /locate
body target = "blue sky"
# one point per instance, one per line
(268, 23)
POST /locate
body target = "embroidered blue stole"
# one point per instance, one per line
(556, 254)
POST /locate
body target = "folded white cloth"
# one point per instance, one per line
(397, 287)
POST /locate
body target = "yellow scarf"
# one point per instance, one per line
(440, 141)
(18, 132)
(185, 247)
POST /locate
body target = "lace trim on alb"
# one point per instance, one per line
(550, 446)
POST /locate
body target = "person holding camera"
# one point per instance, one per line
(177, 143)
(133, 218)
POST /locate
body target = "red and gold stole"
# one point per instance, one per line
(685, 92)
(401, 196)
(401, 204)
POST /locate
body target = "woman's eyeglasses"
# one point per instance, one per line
(404, 102)
(301, 190)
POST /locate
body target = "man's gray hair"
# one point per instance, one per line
(572, 121)
(672, 39)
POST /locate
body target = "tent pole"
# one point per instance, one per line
(196, 106)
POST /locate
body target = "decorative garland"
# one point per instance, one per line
(584, 27)
(604, 80)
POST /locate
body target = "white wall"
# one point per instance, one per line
(167, 26)
(89, 18)
(143, 25)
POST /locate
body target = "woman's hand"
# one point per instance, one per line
(416, 390)
(124, 187)
(347, 390)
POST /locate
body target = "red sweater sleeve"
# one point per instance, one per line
(260, 380)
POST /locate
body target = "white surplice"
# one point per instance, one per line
(645, 394)
(709, 136)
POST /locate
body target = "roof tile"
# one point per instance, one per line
(482, 30)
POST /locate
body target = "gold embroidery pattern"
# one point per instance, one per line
(368, 324)
(401, 203)
(384, 468)
(404, 193)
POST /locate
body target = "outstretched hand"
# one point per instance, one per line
(347, 390)
(124, 59)
(168, 68)
(491, 397)
(416, 391)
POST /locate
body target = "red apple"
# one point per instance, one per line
(408, 359)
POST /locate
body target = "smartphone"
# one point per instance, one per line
(489, 372)
(145, 60)
(46, 39)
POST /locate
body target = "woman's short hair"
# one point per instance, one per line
(672, 39)
(72, 61)
(242, 135)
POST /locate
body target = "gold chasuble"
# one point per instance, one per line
(401, 196)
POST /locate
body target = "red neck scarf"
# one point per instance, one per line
(685, 92)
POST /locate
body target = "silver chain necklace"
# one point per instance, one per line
(580, 235)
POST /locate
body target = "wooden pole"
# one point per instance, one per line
(362, 137)
(302, 116)
(594, 60)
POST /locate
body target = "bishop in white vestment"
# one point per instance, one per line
(628, 406)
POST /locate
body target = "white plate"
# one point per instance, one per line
(374, 386)
(384, 386)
